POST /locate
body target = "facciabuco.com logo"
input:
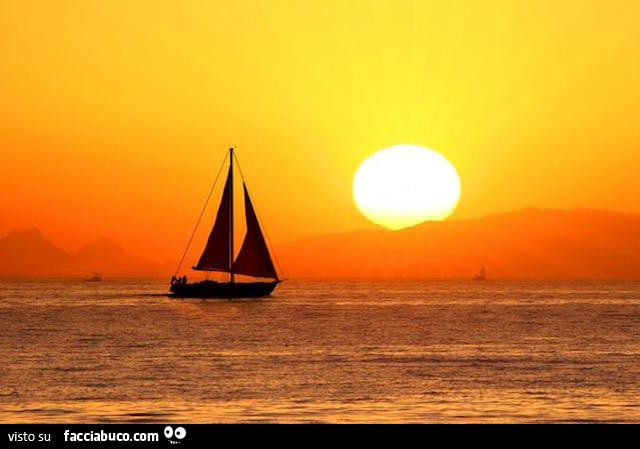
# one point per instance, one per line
(110, 436)
(174, 436)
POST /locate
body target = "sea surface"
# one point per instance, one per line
(321, 351)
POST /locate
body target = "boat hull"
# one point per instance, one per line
(223, 290)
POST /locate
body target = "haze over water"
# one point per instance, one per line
(336, 351)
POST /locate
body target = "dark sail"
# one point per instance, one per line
(217, 255)
(254, 258)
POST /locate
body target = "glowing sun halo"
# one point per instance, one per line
(404, 185)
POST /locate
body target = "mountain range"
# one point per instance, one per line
(528, 244)
(29, 254)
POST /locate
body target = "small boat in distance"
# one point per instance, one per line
(481, 276)
(95, 278)
(254, 258)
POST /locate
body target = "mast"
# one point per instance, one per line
(231, 215)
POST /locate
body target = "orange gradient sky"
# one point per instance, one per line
(115, 115)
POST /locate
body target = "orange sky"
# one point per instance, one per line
(115, 115)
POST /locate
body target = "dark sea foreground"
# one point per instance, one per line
(394, 351)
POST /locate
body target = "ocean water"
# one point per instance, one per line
(335, 351)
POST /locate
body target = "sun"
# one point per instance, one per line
(405, 185)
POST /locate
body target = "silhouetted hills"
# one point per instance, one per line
(532, 243)
(108, 258)
(29, 254)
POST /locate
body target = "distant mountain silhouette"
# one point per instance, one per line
(532, 243)
(106, 257)
(30, 254)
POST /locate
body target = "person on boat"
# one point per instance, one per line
(184, 279)
(173, 280)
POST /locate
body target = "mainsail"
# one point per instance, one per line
(254, 258)
(216, 255)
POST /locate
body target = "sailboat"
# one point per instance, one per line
(481, 276)
(254, 258)
(95, 278)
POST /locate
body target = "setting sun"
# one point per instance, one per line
(405, 185)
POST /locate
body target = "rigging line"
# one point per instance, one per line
(258, 215)
(201, 214)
